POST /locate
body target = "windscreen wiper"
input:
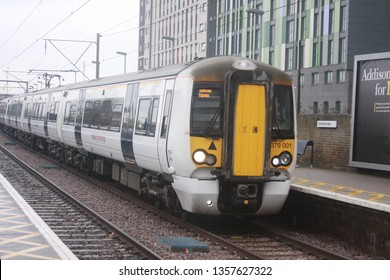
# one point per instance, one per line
(212, 122)
(276, 129)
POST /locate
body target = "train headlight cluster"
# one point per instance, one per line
(284, 159)
(244, 64)
(202, 157)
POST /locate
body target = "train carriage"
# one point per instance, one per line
(215, 136)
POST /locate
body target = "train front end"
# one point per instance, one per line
(242, 139)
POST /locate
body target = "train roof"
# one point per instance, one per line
(166, 71)
(201, 69)
(209, 69)
(217, 67)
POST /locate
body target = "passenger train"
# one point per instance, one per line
(216, 136)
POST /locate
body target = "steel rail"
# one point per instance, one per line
(146, 252)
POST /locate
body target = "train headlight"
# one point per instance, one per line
(276, 161)
(211, 160)
(202, 157)
(284, 159)
(199, 156)
(244, 64)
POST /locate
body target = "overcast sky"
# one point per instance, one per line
(24, 25)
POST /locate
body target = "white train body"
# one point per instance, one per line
(207, 137)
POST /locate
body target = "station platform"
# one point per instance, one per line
(23, 234)
(370, 189)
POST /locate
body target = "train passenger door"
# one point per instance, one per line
(249, 131)
(165, 119)
(146, 131)
(129, 122)
(79, 118)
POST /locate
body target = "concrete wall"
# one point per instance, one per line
(331, 145)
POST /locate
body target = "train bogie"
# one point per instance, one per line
(215, 137)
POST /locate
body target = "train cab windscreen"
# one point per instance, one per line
(206, 113)
(282, 113)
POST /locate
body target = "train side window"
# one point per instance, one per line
(166, 115)
(26, 111)
(35, 111)
(96, 113)
(53, 112)
(54, 117)
(87, 120)
(153, 118)
(40, 113)
(106, 114)
(72, 116)
(19, 109)
(67, 113)
(141, 125)
(3, 108)
(116, 114)
(44, 111)
(70, 113)
(10, 109)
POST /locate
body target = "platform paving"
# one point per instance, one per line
(23, 234)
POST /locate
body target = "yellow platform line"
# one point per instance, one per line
(374, 196)
(356, 192)
(377, 197)
(338, 188)
(24, 253)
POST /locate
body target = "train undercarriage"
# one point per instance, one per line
(149, 185)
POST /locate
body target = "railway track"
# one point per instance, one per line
(87, 234)
(250, 242)
(266, 242)
(261, 243)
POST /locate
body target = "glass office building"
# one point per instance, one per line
(313, 40)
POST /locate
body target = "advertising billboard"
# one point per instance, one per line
(370, 137)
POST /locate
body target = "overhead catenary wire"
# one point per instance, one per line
(41, 37)
(106, 32)
(23, 22)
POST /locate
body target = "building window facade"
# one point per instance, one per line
(328, 77)
(315, 107)
(290, 31)
(331, 21)
(338, 107)
(341, 76)
(315, 78)
(343, 19)
(330, 52)
(316, 28)
(272, 36)
(326, 107)
(316, 56)
(289, 58)
(342, 50)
